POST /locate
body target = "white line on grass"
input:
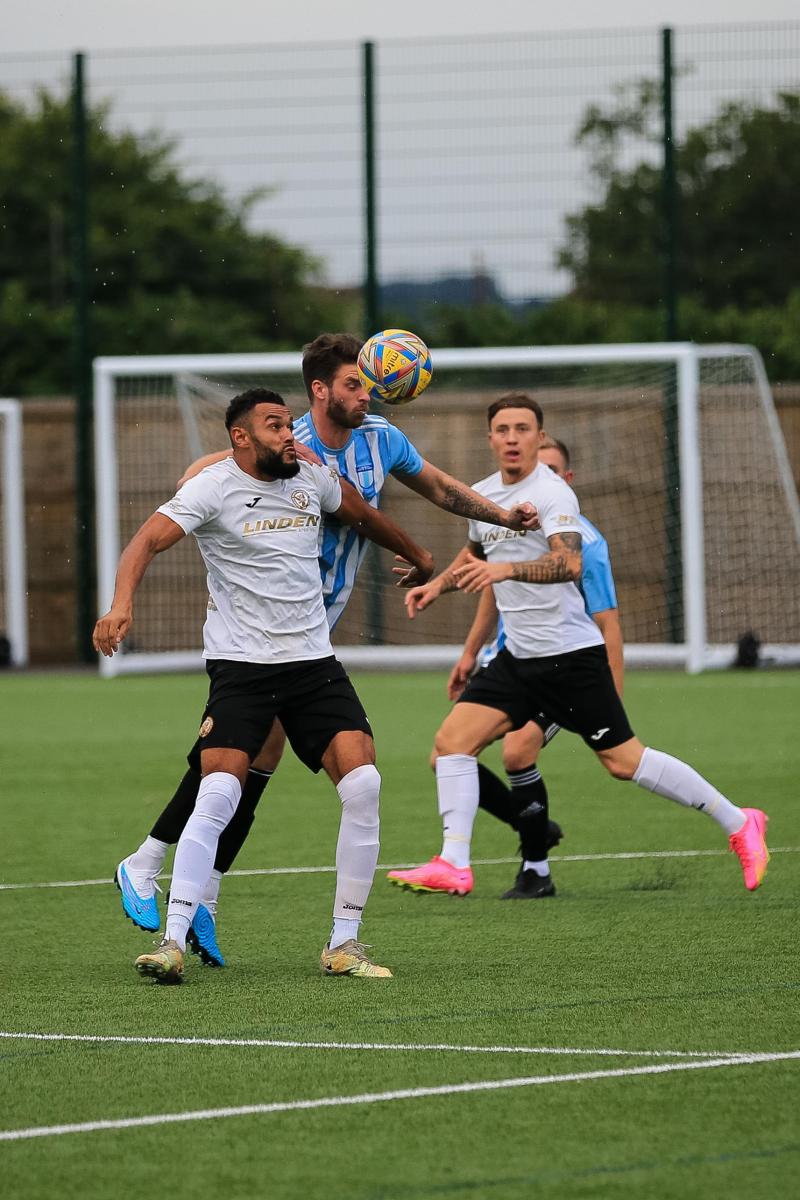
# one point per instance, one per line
(407, 1046)
(247, 1110)
(476, 862)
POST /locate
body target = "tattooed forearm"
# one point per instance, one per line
(465, 503)
(562, 563)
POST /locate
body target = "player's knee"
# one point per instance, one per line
(520, 754)
(448, 741)
(218, 798)
(619, 766)
(359, 793)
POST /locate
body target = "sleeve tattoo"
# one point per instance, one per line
(561, 564)
(459, 502)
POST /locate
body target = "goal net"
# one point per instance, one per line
(13, 591)
(678, 459)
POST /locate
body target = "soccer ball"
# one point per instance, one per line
(394, 366)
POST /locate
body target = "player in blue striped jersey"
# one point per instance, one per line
(526, 793)
(365, 449)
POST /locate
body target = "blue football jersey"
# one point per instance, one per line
(596, 583)
(373, 452)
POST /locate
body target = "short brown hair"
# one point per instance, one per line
(516, 400)
(323, 357)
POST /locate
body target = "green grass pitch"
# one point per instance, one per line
(648, 954)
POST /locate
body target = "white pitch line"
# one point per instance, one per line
(247, 1110)
(282, 1043)
(476, 862)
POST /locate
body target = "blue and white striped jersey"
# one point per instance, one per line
(596, 583)
(373, 452)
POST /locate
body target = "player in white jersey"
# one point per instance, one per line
(524, 803)
(554, 660)
(256, 517)
(365, 449)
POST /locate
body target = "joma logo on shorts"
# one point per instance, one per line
(268, 524)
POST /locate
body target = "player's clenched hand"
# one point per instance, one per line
(412, 574)
(420, 597)
(111, 629)
(459, 676)
(476, 574)
(523, 516)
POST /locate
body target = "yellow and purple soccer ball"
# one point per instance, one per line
(394, 366)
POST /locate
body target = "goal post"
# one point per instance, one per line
(679, 460)
(13, 587)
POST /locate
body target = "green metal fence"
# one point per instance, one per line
(422, 176)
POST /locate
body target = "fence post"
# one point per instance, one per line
(669, 240)
(82, 366)
(372, 321)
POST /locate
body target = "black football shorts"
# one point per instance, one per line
(313, 700)
(575, 690)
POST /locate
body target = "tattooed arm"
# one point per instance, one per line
(455, 497)
(419, 598)
(561, 564)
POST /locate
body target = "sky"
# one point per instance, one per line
(51, 25)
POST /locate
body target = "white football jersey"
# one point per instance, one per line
(539, 618)
(260, 544)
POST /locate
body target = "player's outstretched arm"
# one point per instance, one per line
(384, 532)
(200, 464)
(608, 623)
(480, 631)
(455, 497)
(561, 564)
(156, 535)
(420, 598)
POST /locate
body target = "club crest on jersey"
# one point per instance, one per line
(300, 499)
(366, 478)
(206, 727)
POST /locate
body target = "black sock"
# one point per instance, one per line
(235, 833)
(495, 797)
(530, 794)
(170, 825)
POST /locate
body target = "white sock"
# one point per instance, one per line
(150, 856)
(211, 892)
(542, 869)
(668, 776)
(194, 858)
(457, 787)
(356, 849)
(343, 930)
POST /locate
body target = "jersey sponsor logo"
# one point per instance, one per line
(300, 499)
(252, 503)
(565, 519)
(280, 524)
(502, 535)
(206, 727)
(596, 736)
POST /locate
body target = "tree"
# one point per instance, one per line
(174, 266)
(738, 225)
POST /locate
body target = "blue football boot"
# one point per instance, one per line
(202, 938)
(138, 890)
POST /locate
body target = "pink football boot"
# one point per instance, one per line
(751, 847)
(435, 876)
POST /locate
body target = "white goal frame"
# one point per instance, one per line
(694, 654)
(14, 567)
